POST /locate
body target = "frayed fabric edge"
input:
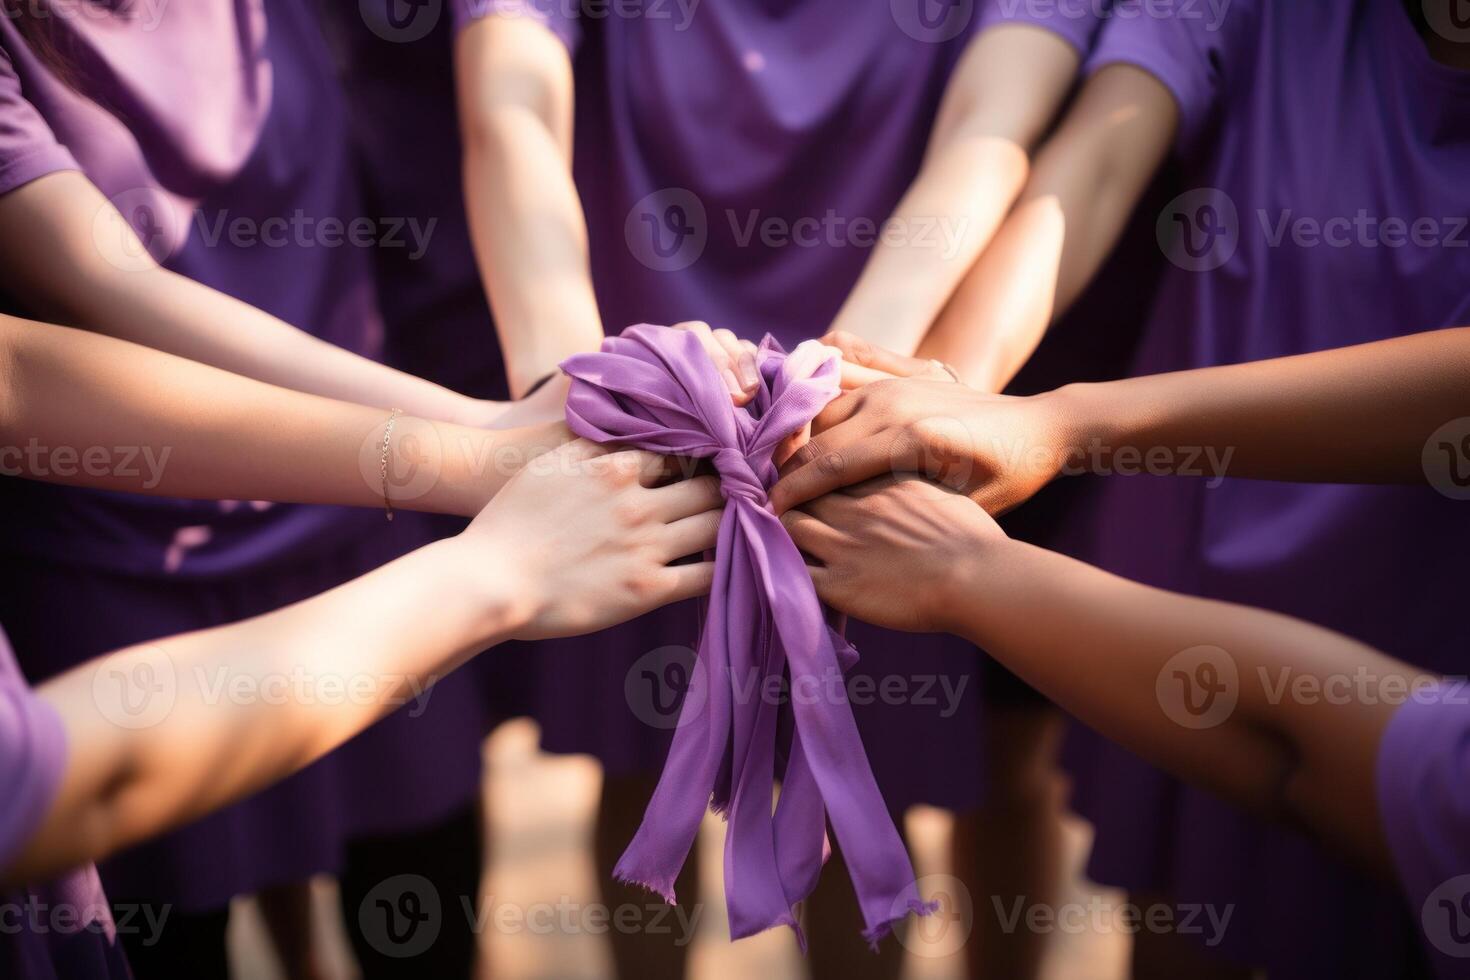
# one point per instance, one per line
(879, 932)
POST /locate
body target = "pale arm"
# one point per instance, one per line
(70, 258)
(210, 434)
(576, 543)
(1003, 95)
(514, 80)
(1087, 180)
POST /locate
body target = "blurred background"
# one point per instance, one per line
(542, 888)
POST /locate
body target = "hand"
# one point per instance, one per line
(583, 539)
(999, 450)
(546, 404)
(735, 359)
(893, 550)
(864, 362)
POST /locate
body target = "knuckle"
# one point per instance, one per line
(831, 463)
(629, 514)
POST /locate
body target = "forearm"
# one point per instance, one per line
(1357, 414)
(514, 81)
(530, 240)
(1087, 180)
(56, 264)
(1125, 659)
(931, 240)
(90, 410)
(229, 710)
(1004, 93)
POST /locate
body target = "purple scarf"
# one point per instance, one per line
(655, 388)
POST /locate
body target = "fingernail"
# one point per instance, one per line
(749, 373)
(732, 382)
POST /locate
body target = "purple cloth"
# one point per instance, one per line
(195, 118)
(654, 388)
(1424, 801)
(1278, 262)
(63, 928)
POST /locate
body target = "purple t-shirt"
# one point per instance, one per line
(63, 928)
(217, 129)
(737, 161)
(1324, 154)
(1424, 800)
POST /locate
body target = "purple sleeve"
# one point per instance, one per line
(1424, 801)
(28, 148)
(1077, 24)
(558, 17)
(32, 756)
(1191, 51)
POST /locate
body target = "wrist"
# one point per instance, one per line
(1084, 423)
(497, 602)
(961, 593)
(969, 593)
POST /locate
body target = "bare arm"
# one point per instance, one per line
(515, 100)
(1205, 689)
(227, 711)
(1360, 414)
(1004, 93)
(54, 258)
(68, 398)
(1088, 178)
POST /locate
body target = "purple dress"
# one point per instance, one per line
(63, 928)
(1326, 177)
(1424, 801)
(197, 117)
(735, 166)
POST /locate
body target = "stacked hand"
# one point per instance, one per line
(907, 415)
(582, 539)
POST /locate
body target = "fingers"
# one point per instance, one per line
(855, 375)
(877, 362)
(734, 358)
(813, 537)
(824, 465)
(692, 535)
(742, 355)
(687, 581)
(686, 498)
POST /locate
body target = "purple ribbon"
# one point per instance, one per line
(654, 388)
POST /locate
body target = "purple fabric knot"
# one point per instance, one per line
(655, 388)
(738, 477)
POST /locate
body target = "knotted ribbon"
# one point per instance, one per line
(654, 388)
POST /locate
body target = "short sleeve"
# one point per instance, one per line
(1424, 802)
(1191, 49)
(28, 147)
(557, 16)
(1076, 23)
(32, 757)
